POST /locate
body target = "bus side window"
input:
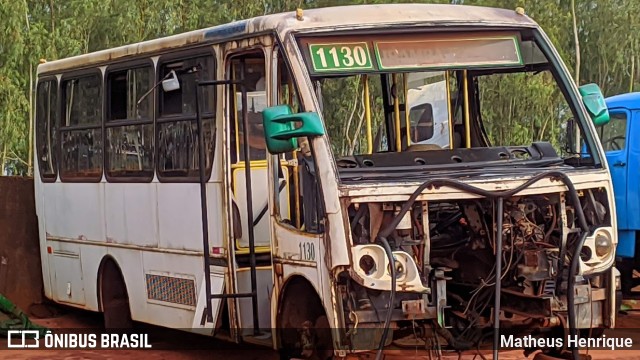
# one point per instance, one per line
(46, 127)
(81, 130)
(306, 204)
(177, 129)
(129, 125)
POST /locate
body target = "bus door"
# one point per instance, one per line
(250, 213)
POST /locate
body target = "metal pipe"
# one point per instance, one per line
(450, 114)
(498, 287)
(571, 294)
(467, 121)
(392, 295)
(296, 188)
(203, 207)
(249, 194)
(232, 296)
(367, 114)
(296, 178)
(406, 107)
(396, 112)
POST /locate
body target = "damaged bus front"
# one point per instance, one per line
(473, 194)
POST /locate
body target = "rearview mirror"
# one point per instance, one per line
(593, 100)
(280, 129)
(171, 83)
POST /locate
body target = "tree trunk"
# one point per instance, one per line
(53, 21)
(4, 159)
(633, 72)
(577, 41)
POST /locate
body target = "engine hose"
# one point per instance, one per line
(488, 194)
(392, 295)
(571, 294)
(505, 194)
(361, 211)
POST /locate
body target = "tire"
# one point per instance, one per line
(114, 298)
(324, 345)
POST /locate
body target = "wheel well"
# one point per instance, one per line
(299, 302)
(111, 282)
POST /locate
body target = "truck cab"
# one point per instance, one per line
(623, 156)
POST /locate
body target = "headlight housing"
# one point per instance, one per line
(602, 249)
(603, 245)
(372, 268)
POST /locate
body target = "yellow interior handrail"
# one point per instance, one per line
(239, 249)
(367, 114)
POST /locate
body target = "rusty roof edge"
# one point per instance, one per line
(313, 19)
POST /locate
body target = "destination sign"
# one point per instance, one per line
(340, 57)
(448, 52)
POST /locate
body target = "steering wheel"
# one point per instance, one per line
(520, 153)
(347, 163)
(614, 142)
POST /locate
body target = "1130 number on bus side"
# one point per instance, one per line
(307, 251)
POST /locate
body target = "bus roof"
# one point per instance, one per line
(339, 17)
(627, 101)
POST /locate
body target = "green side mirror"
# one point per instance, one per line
(593, 100)
(280, 128)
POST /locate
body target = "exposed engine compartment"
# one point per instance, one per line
(452, 244)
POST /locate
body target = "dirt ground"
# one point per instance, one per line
(222, 350)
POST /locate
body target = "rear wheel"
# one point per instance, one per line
(114, 298)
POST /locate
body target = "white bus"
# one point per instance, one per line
(254, 180)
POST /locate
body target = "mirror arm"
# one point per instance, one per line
(144, 96)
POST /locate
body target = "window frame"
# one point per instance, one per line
(77, 74)
(49, 178)
(234, 128)
(163, 60)
(613, 111)
(107, 123)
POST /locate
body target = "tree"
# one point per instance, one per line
(596, 38)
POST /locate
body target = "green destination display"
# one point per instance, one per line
(448, 52)
(338, 57)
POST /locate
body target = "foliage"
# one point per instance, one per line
(52, 29)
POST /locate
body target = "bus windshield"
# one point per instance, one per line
(440, 101)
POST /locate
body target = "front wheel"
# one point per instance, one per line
(313, 341)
